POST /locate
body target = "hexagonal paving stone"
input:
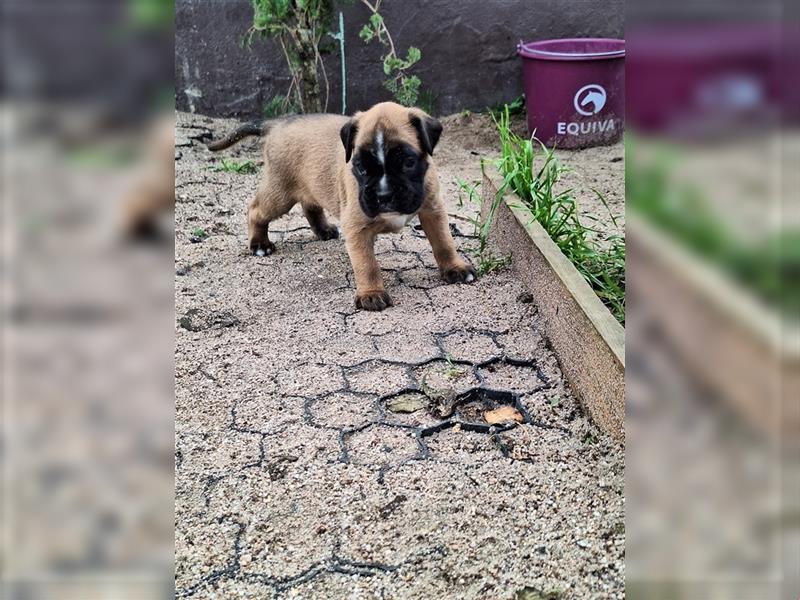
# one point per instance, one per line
(346, 349)
(465, 446)
(340, 585)
(399, 261)
(379, 445)
(202, 549)
(376, 323)
(376, 377)
(218, 451)
(422, 278)
(470, 346)
(398, 409)
(522, 343)
(407, 346)
(409, 242)
(491, 301)
(511, 378)
(268, 412)
(271, 543)
(443, 377)
(384, 245)
(408, 315)
(343, 410)
(320, 378)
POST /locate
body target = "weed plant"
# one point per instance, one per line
(232, 166)
(534, 172)
(486, 260)
(768, 266)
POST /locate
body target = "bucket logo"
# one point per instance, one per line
(590, 99)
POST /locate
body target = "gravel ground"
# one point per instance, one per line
(297, 477)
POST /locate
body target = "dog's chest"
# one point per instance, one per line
(395, 221)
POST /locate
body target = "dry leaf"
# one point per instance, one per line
(502, 415)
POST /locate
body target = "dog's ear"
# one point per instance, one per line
(348, 135)
(428, 131)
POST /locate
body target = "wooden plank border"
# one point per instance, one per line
(586, 338)
(749, 355)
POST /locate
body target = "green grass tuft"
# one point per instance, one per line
(768, 266)
(280, 106)
(484, 257)
(515, 107)
(232, 166)
(533, 172)
(427, 101)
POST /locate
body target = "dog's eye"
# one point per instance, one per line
(410, 162)
(360, 169)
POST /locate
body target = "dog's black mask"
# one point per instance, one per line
(390, 181)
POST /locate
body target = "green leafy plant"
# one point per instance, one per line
(404, 86)
(427, 101)
(515, 108)
(590, 438)
(199, 233)
(280, 106)
(232, 166)
(486, 260)
(299, 26)
(453, 371)
(534, 173)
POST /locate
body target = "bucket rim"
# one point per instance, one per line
(536, 49)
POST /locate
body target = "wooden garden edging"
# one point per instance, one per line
(739, 349)
(588, 341)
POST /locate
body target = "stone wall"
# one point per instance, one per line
(468, 51)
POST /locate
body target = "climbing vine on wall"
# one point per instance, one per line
(298, 26)
(403, 85)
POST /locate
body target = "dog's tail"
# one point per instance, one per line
(254, 128)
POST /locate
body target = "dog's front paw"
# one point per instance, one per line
(462, 273)
(377, 300)
(261, 247)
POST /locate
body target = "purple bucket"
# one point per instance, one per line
(575, 90)
(701, 81)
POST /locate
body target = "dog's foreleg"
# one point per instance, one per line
(370, 293)
(451, 266)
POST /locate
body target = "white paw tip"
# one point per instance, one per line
(260, 252)
(470, 277)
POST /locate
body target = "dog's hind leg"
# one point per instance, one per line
(323, 229)
(269, 204)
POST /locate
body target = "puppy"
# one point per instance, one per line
(372, 172)
(152, 195)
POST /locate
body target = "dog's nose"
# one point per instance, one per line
(384, 196)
